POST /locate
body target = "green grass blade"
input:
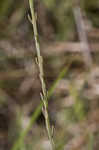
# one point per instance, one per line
(39, 109)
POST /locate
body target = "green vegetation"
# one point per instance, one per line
(47, 92)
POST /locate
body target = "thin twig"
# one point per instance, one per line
(41, 74)
(82, 36)
(55, 48)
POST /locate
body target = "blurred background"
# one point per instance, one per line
(69, 40)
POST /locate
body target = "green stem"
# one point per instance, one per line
(41, 74)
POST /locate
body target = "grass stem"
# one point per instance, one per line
(41, 74)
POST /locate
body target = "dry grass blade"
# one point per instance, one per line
(82, 36)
